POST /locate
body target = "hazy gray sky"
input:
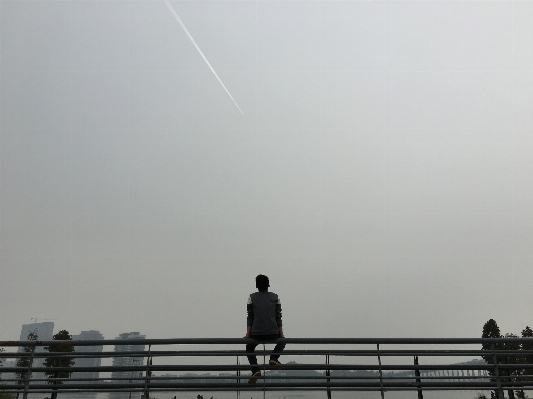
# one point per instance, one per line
(381, 175)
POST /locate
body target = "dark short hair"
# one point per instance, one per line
(261, 282)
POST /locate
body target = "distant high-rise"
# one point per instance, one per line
(86, 362)
(45, 331)
(127, 361)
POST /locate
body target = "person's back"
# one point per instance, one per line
(264, 313)
(263, 323)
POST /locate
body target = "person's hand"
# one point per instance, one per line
(247, 335)
(281, 335)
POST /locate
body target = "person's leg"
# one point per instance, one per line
(277, 349)
(252, 359)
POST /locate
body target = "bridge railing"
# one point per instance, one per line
(325, 364)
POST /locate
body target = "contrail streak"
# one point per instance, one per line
(200, 51)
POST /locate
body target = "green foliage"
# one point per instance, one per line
(511, 359)
(59, 361)
(527, 333)
(511, 346)
(25, 361)
(4, 395)
(527, 374)
(521, 395)
(490, 330)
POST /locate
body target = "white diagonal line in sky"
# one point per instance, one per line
(200, 51)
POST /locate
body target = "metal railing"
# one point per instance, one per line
(327, 364)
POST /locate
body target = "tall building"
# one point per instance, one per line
(127, 376)
(86, 362)
(45, 331)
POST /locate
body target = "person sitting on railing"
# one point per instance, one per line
(263, 324)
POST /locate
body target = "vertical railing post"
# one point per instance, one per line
(264, 370)
(148, 374)
(380, 375)
(28, 374)
(328, 380)
(238, 379)
(418, 381)
(497, 372)
(509, 379)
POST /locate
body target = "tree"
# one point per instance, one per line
(59, 361)
(527, 374)
(490, 330)
(24, 362)
(2, 350)
(528, 358)
(511, 359)
(4, 395)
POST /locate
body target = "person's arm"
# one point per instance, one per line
(250, 318)
(278, 319)
(248, 332)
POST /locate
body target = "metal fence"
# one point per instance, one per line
(324, 364)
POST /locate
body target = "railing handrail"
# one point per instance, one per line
(308, 352)
(240, 341)
(298, 367)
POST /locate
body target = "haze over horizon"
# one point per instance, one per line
(381, 175)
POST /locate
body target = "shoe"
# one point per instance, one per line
(276, 364)
(253, 380)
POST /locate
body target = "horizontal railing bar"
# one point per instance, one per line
(62, 387)
(267, 352)
(232, 377)
(386, 384)
(271, 382)
(251, 388)
(288, 389)
(233, 367)
(240, 341)
(273, 377)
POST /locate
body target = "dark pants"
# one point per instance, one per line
(250, 348)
